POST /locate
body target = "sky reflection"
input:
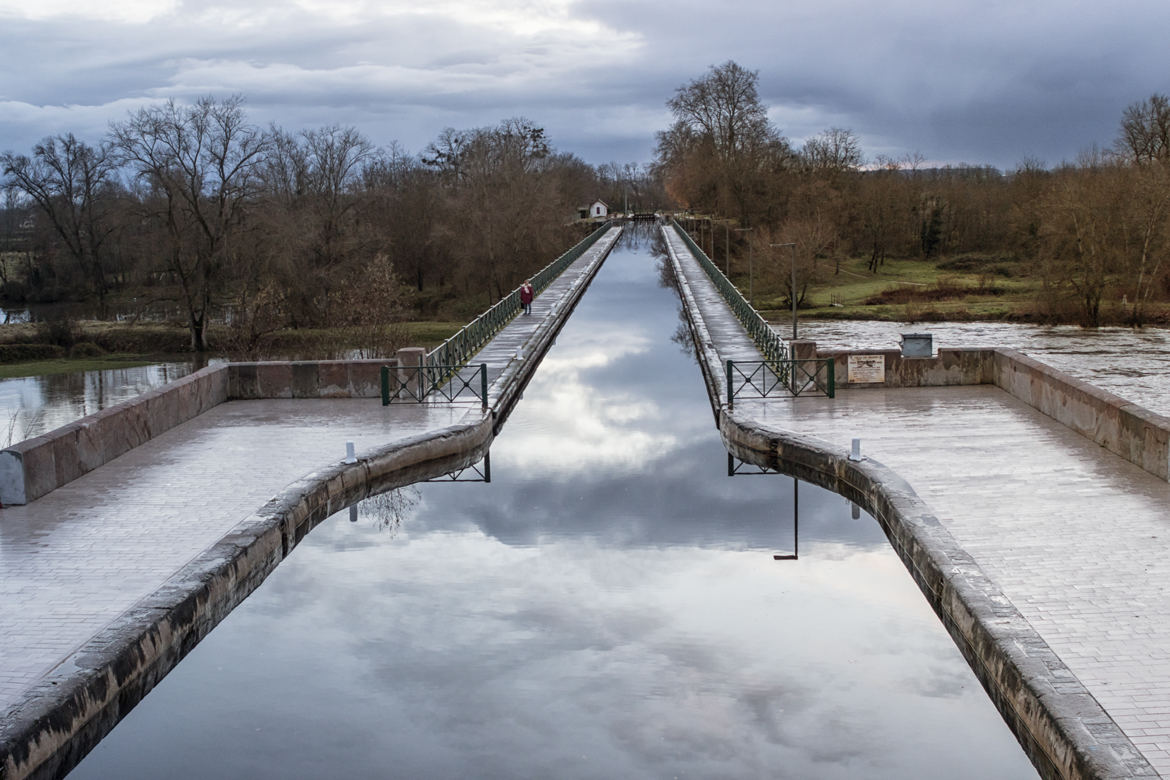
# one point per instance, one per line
(607, 606)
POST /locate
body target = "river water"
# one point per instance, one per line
(30, 406)
(607, 606)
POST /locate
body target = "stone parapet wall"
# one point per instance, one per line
(1061, 727)
(83, 698)
(306, 379)
(1135, 433)
(962, 366)
(36, 466)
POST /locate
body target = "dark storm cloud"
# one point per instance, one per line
(985, 83)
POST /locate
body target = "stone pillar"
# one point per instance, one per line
(803, 349)
(409, 360)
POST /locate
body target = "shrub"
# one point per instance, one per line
(22, 353)
(86, 349)
(61, 331)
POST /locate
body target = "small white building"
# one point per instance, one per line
(599, 209)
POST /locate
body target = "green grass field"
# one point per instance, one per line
(964, 288)
(69, 365)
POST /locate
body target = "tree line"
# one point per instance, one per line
(1092, 230)
(281, 229)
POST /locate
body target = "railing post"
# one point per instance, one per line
(730, 390)
(385, 385)
(832, 378)
(483, 384)
(412, 359)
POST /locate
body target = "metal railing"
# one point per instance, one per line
(764, 378)
(413, 384)
(770, 345)
(457, 350)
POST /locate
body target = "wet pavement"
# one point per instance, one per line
(74, 560)
(77, 558)
(1077, 538)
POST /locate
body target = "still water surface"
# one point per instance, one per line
(608, 606)
(32, 405)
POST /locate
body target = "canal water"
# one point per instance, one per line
(608, 605)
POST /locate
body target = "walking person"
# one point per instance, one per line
(526, 296)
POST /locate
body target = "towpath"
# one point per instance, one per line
(1077, 538)
(78, 558)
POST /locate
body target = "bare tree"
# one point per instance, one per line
(1145, 130)
(200, 165)
(721, 143)
(1081, 249)
(835, 150)
(74, 185)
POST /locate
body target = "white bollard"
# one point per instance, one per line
(350, 456)
(856, 453)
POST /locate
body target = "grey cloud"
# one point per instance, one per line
(975, 82)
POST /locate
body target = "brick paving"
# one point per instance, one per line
(1077, 538)
(74, 560)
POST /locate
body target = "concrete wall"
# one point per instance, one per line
(306, 379)
(949, 367)
(34, 467)
(1126, 429)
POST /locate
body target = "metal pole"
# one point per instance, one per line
(794, 292)
(727, 248)
(793, 283)
(751, 279)
(751, 297)
(795, 517)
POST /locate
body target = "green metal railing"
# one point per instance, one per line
(764, 378)
(770, 345)
(412, 384)
(454, 353)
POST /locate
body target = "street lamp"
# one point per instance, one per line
(727, 248)
(751, 300)
(795, 525)
(793, 291)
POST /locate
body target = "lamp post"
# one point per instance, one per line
(793, 291)
(727, 249)
(751, 299)
(795, 525)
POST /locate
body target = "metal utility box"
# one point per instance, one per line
(917, 345)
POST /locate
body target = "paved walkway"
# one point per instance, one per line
(74, 560)
(1077, 538)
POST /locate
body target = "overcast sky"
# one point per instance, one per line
(978, 81)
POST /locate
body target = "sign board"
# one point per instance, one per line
(867, 369)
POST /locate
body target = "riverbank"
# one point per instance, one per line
(960, 288)
(28, 349)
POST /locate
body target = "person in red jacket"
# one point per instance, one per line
(526, 295)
